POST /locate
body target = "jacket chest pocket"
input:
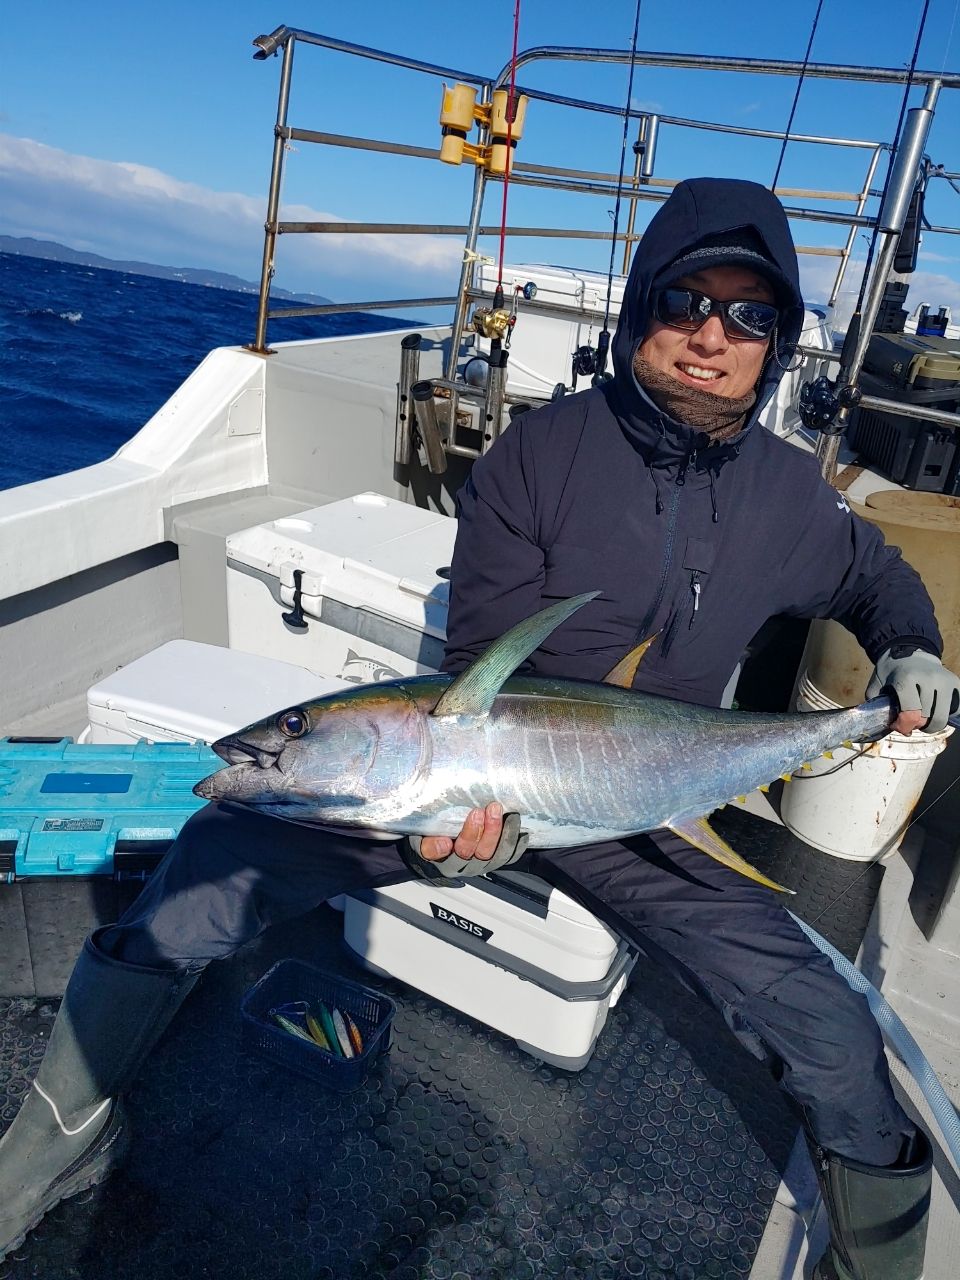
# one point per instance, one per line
(695, 567)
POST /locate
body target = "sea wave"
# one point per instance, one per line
(85, 363)
(37, 313)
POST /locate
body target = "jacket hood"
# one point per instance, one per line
(697, 211)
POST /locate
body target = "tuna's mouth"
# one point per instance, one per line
(237, 752)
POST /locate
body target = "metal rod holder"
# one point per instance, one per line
(409, 374)
(493, 401)
(425, 414)
(905, 166)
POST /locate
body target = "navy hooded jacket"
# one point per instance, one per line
(700, 542)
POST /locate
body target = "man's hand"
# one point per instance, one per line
(928, 693)
(488, 841)
(478, 839)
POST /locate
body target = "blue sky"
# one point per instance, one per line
(146, 131)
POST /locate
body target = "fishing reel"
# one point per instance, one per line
(497, 322)
(584, 362)
(493, 322)
(821, 402)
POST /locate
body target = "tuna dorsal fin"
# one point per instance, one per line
(625, 671)
(699, 833)
(473, 691)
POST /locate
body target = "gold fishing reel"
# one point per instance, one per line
(493, 322)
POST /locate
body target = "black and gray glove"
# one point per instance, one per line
(920, 682)
(510, 847)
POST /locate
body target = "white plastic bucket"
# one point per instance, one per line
(858, 804)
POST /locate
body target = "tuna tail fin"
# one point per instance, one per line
(625, 671)
(699, 833)
(474, 690)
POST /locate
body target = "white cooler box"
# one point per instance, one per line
(506, 949)
(185, 691)
(541, 346)
(374, 589)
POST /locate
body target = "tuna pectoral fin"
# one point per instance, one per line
(624, 673)
(699, 833)
(474, 690)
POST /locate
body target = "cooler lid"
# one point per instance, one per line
(564, 285)
(557, 904)
(368, 551)
(204, 691)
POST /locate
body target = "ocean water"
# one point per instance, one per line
(88, 355)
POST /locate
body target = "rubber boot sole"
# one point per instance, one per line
(91, 1167)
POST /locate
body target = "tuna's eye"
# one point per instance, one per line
(293, 724)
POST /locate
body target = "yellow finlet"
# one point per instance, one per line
(624, 673)
(848, 745)
(764, 787)
(699, 833)
(828, 755)
(806, 765)
(786, 777)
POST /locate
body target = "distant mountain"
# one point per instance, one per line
(32, 248)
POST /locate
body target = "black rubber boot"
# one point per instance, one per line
(69, 1133)
(878, 1216)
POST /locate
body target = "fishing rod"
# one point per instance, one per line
(603, 338)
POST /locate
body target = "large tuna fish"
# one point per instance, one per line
(579, 761)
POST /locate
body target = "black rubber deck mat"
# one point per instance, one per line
(461, 1158)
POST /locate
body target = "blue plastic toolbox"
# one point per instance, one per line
(72, 809)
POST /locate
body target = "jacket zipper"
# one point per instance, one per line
(644, 630)
(695, 588)
(674, 622)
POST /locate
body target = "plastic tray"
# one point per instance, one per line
(291, 980)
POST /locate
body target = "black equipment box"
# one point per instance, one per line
(914, 452)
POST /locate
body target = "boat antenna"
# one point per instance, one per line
(796, 96)
(603, 338)
(857, 311)
(508, 167)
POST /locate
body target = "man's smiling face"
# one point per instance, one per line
(707, 358)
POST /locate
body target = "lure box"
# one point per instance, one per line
(80, 828)
(291, 981)
(915, 362)
(542, 346)
(507, 949)
(185, 691)
(357, 589)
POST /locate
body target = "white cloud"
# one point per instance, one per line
(817, 276)
(927, 255)
(130, 211)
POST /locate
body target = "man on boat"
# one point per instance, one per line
(659, 488)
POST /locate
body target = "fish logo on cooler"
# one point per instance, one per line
(460, 922)
(360, 670)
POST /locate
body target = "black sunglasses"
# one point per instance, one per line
(690, 310)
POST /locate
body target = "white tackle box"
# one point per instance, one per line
(541, 346)
(185, 691)
(374, 588)
(507, 949)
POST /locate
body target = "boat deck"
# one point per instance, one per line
(460, 1156)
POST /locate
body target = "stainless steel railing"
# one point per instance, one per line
(641, 185)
